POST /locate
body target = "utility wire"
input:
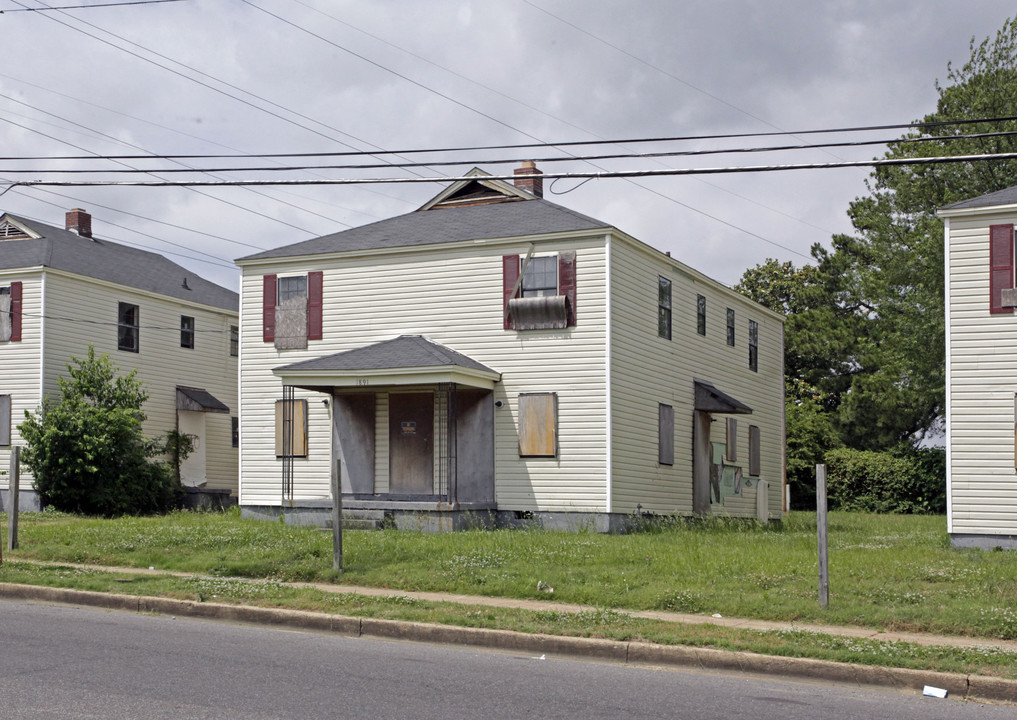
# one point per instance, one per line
(85, 7)
(551, 175)
(504, 161)
(524, 146)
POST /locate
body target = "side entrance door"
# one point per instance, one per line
(411, 443)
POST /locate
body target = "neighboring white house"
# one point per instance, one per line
(499, 354)
(981, 371)
(63, 289)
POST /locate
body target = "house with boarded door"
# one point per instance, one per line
(62, 289)
(495, 355)
(981, 371)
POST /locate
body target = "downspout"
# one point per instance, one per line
(607, 371)
(949, 429)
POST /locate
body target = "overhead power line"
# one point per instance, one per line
(504, 161)
(538, 145)
(667, 172)
(86, 7)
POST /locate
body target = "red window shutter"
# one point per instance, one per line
(567, 284)
(510, 276)
(16, 305)
(1000, 266)
(314, 304)
(268, 299)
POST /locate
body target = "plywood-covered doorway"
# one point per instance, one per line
(411, 443)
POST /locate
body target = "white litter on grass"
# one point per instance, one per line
(718, 615)
(936, 692)
(542, 657)
(151, 567)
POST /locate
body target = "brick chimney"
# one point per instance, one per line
(529, 178)
(80, 222)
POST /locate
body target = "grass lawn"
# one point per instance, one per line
(886, 571)
(890, 572)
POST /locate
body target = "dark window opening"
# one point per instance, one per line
(701, 314)
(234, 341)
(186, 332)
(664, 307)
(235, 431)
(753, 346)
(665, 434)
(127, 327)
(730, 327)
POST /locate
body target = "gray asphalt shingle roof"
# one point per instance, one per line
(513, 218)
(112, 262)
(405, 351)
(1007, 196)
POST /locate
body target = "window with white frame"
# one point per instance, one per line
(540, 278)
(664, 307)
(128, 327)
(187, 331)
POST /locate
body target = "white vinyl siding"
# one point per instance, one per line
(452, 296)
(647, 369)
(983, 379)
(19, 363)
(72, 301)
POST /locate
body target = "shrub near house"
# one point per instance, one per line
(86, 450)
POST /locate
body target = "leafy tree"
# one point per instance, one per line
(86, 450)
(865, 335)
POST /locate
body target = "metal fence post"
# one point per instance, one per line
(824, 567)
(14, 492)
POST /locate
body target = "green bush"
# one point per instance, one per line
(907, 481)
(87, 452)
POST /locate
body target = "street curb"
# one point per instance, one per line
(972, 687)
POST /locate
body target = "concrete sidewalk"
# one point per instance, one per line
(958, 685)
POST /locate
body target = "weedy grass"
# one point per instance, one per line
(596, 623)
(890, 572)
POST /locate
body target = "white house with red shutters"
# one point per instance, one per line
(63, 289)
(981, 370)
(494, 357)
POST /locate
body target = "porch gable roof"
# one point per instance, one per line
(405, 360)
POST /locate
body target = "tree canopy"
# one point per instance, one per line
(866, 323)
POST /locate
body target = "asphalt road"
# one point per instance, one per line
(69, 662)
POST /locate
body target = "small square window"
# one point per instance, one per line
(290, 428)
(127, 327)
(664, 307)
(730, 327)
(753, 346)
(186, 331)
(540, 277)
(701, 314)
(538, 425)
(234, 341)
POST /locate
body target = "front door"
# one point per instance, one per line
(411, 443)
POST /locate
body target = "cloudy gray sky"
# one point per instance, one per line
(289, 76)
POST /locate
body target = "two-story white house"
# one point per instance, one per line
(62, 289)
(494, 355)
(981, 370)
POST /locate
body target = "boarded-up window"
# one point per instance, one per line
(1000, 266)
(5, 419)
(701, 314)
(665, 434)
(754, 450)
(663, 307)
(291, 428)
(731, 455)
(538, 425)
